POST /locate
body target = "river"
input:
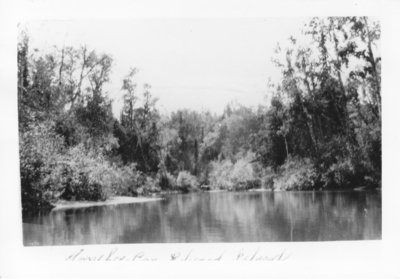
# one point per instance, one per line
(215, 217)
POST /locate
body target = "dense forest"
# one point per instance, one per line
(321, 129)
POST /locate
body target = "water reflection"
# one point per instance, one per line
(216, 217)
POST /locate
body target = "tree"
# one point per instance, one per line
(139, 137)
(332, 94)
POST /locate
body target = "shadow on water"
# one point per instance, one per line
(215, 217)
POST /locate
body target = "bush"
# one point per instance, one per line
(238, 176)
(50, 171)
(40, 149)
(126, 180)
(296, 174)
(166, 181)
(267, 180)
(345, 174)
(80, 187)
(220, 175)
(148, 186)
(186, 182)
(243, 175)
(103, 178)
(85, 175)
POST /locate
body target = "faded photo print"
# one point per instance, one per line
(200, 130)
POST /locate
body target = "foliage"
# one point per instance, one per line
(328, 107)
(40, 150)
(321, 129)
(234, 176)
(296, 174)
(167, 181)
(138, 131)
(186, 182)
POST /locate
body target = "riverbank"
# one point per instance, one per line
(118, 200)
(63, 205)
(294, 175)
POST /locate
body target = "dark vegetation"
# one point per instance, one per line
(321, 130)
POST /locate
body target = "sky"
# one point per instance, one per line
(200, 64)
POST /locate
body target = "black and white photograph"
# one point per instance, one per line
(200, 130)
(199, 139)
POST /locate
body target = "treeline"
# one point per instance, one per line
(322, 129)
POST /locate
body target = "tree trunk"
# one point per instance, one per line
(374, 69)
(286, 147)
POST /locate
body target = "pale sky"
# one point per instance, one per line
(190, 63)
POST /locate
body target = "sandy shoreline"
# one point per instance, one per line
(61, 205)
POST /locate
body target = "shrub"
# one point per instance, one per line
(296, 174)
(243, 175)
(149, 185)
(50, 170)
(166, 181)
(345, 174)
(40, 149)
(126, 180)
(220, 173)
(238, 176)
(81, 187)
(86, 175)
(186, 181)
(267, 180)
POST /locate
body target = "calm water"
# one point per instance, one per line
(216, 217)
